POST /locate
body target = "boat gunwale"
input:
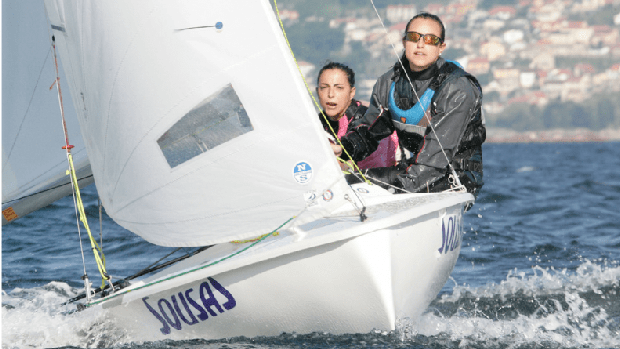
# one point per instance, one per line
(299, 241)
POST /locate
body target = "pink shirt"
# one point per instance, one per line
(384, 156)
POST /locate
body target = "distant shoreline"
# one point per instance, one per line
(500, 135)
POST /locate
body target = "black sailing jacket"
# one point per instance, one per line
(354, 112)
(456, 117)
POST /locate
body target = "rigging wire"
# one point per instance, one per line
(381, 183)
(455, 177)
(87, 289)
(69, 158)
(161, 259)
(307, 87)
(195, 269)
(122, 283)
(363, 210)
(77, 199)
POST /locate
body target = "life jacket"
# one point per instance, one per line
(414, 115)
(411, 126)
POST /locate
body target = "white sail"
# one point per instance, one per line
(198, 126)
(33, 161)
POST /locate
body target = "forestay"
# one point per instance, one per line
(198, 126)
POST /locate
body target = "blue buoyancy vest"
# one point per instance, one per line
(413, 115)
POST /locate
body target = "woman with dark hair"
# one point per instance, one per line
(336, 91)
(434, 106)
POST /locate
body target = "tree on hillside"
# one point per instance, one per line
(597, 113)
(521, 117)
(558, 114)
(606, 111)
(604, 16)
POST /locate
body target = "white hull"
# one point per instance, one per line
(343, 276)
(199, 130)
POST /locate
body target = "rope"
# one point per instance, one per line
(275, 2)
(256, 239)
(395, 188)
(426, 114)
(123, 283)
(195, 269)
(77, 198)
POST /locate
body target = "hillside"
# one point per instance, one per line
(543, 65)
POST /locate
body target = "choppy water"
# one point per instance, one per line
(539, 266)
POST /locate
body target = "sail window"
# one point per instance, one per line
(216, 120)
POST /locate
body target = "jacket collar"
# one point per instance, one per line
(425, 74)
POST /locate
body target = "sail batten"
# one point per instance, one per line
(195, 136)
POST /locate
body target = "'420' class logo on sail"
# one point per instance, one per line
(451, 233)
(171, 315)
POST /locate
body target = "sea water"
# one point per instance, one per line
(539, 266)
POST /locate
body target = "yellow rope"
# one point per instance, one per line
(275, 233)
(80, 205)
(275, 2)
(76, 188)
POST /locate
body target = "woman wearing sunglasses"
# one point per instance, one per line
(435, 108)
(336, 91)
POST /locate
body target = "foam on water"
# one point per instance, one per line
(525, 169)
(545, 307)
(36, 318)
(539, 308)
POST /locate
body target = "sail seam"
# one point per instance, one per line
(27, 110)
(107, 119)
(245, 209)
(223, 157)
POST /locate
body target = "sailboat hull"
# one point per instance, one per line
(200, 130)
(353, 284)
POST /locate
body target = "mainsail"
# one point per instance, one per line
(33, 162)
(198, 126)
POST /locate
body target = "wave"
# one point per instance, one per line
(542, 308)
(530, 309)
(37, 318)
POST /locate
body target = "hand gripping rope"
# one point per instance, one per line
(350, 162)
(275, 2)
(455, 183)
(77, 198)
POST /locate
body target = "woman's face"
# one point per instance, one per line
(335, 93)
(419, 54)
